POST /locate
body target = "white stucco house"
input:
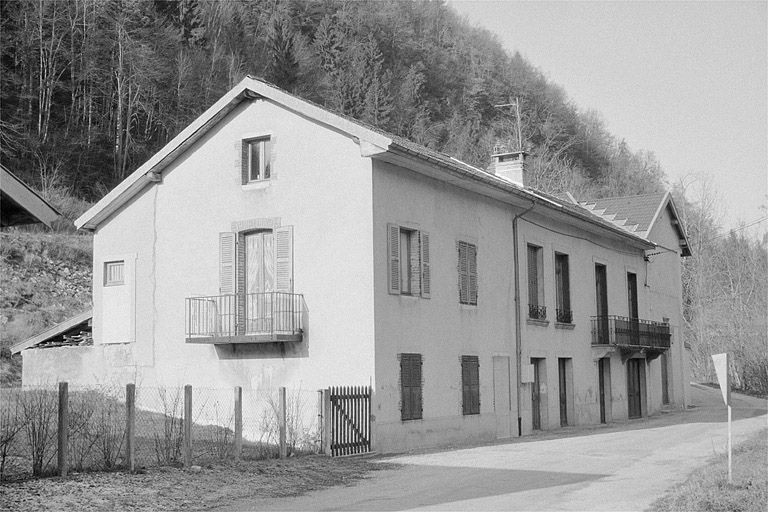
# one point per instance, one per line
(275, 243)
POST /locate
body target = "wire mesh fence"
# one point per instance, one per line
(224, 424)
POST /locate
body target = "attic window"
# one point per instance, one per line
(257, 160)
(114, 273)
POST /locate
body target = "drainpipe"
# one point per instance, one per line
(518, 316)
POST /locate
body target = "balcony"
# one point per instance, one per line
(246, 318)
(631, 335)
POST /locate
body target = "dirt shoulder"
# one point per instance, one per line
(180, 489)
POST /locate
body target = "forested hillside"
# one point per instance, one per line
(91, 88)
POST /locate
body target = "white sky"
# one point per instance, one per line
(686, 80)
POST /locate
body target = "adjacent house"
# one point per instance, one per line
(274, 243)
(20, 204)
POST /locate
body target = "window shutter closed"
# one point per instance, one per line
(410, 377)
(566, 286)
(416, 386)
(405, 386)
(472, 267)
(533, 281)
(284, 259)
(227, 263)
(474, 385)
(463, 274)
(393, 258)
(466, 395)
(426, 278)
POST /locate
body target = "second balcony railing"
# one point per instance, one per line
(630, 332)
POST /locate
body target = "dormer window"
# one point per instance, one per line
(258, 164)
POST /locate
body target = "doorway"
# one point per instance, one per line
(634, 388)
(564, 377)
(604, 387)
(259, 280)
(536, 393)
(664, 379)
(601, 295)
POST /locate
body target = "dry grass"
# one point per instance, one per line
(166, 488)
(707, 488)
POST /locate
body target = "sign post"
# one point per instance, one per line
(724, 379)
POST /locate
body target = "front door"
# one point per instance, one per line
(602, 377)
(634, 399)
(664, 380)
(561, 372)
(502, 397)
(259, 281)
(536, 396)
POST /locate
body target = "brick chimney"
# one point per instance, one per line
(510, 165)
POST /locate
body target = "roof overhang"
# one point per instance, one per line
(22, 205)
(76, 323)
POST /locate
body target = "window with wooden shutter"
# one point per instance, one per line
(426, 277)
(227, 263)
(470, 385)
(410, 380)
(467, 273)
(536, 307)
(284, 259)
(563, 289)
(393, 258)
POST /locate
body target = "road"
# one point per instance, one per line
(618, 467)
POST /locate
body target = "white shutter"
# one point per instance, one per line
(227, 263)
(426, 278)
(284, 259)
(393, 258)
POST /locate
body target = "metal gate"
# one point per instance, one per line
(350, 420)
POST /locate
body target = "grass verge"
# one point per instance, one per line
(166, 488)
(707, 488)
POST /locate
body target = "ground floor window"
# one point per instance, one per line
(470, 385)
(410, 385)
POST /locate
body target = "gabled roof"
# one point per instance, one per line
(638, 214)
(373, 142)
(22, 205)
(60, 333)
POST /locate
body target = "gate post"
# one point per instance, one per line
(281, 419)
(130, 426)
(327, 433)
(238, 422)
(187, 425)
(63, 443)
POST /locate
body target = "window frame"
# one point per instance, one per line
(467, 270)
(535, 269)
(564, 312)
(264, 145)
(414, 262)
(108, 281)
(470, 385)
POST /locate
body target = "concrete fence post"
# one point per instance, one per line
(282, 420)
(238, 422)
(187, 425)
(327, 433)
(63, 444)
(130, 426)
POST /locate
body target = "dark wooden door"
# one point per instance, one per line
(601, 294)
(664, 380)
(634, 327)
(601, 370)
(561, 372)
(536, 396)
(633, 388)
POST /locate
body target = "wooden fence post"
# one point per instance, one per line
(282, 420)
(238, 422)
(63, 428)
(130, 426)
(327, 433)
(187, 425)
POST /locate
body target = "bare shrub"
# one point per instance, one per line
(39, 413)
(169, 439)
(10, 426)
(301, 434)
(97, 430)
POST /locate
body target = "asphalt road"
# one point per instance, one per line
(618, 467)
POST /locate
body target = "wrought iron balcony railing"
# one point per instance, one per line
(537, 312)
(243, 318)
(630, 332)
(564, 316)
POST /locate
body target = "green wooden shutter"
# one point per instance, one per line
(533, 276)
(465, 390)
(426, 277)
(472, 273)
(565, 276)
(416, 412)
(227, 263)
(474, 384)
(405, 387)
(284, 259)
(463, 273)
(393, 258)
(415, 256)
